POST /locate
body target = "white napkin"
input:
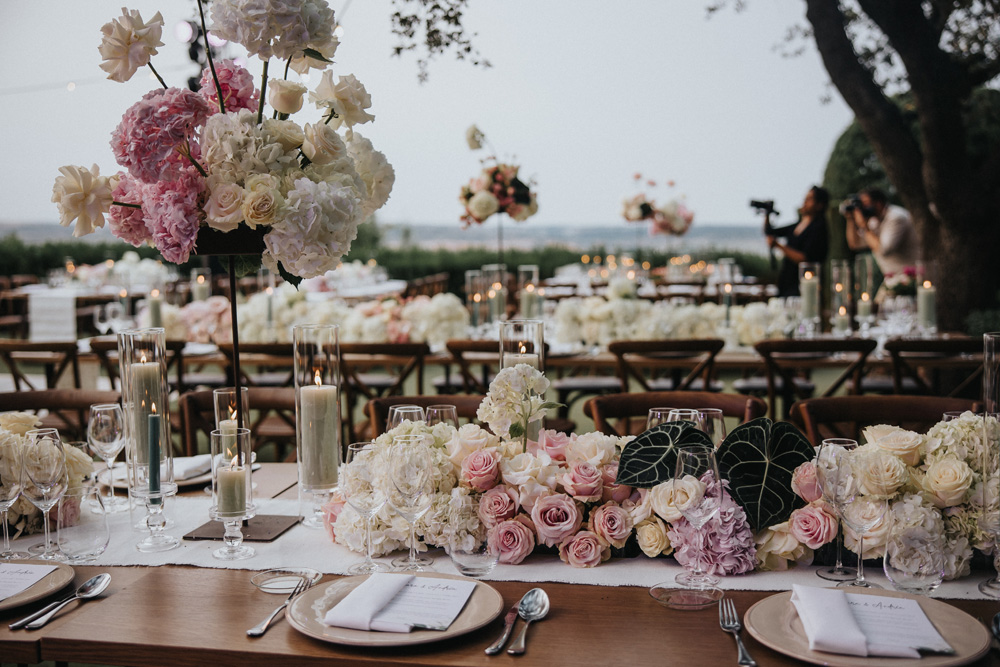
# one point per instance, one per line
(52, 315)
(358, 610)
(186, 467)
(830, 625)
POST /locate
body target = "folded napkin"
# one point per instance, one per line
(360, 608)
(186, 467)
(52, 315)
(896, 630)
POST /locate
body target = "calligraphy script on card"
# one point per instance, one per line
(897, 622)
(429, 604)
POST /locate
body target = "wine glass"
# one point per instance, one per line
(11, 484)
(401, 413)
(359, 484)
(657, 416)
(442, 414)
(826, 476)
(860, 511)
(114, 313)
(410, 489)
(106, 435)
(44, 462)
(713, 423)
(101, 321)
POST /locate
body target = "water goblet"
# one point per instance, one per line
(82, 535)
(858, 508)
(106, 435)
(359, 484)
(471, 553)
(44, 462)
(713, 423)
(410, 489)
(826, 477)
(11, 484)
(442, 414)
(402, 413)
(914, 559)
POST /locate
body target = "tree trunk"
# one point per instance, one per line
(968, 258)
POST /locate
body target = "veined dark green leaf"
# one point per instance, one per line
(316, 55)
(246, 265)
(651, 458)
(758, 458)
(288, 277)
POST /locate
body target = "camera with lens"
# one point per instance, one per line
(853, 203)
(763, 206)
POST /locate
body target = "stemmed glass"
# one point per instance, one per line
(861, 512)
(11, 484)
(101, 321)
(45, 468)
(106, 435)
(826, 476)
(359, 484)
(657, 416)
(401, 413)
(442, 414)
(713, 423)
(410, 488)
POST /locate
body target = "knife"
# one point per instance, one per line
(508, 626)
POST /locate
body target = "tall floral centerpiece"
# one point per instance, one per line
(498, 189)
(208, 171)
(672, 218)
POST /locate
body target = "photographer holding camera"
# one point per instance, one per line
(806, 240)
(886, 229)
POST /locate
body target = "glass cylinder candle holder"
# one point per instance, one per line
(201, 284)
(522, 342)
(232, 490)
(927, 297)
(864, 285)
(228, 414)
(840, 286)
(529, 303)
(475, 289)
(317, 416)
(148, 454)
(495, 276)
(809, 293)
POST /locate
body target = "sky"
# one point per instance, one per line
(582, 95)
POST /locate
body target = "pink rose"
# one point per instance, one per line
(556, 517)
(805, 484)
(583, 550)
(813, 525)
(331, 511)
(481, 469)
(552, 443)
(611, 524)
(612, 491)
(498, 504)
(584, 482)
(513, 539)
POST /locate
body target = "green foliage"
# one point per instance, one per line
(16, 256)
(651, 458)
(982, 321)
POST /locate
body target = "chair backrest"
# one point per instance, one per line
(625, 414)
(106, 350)
(256, 357)
(65, 409)
(470, 354)
(271, 418)
(785, 359)
(398, 362)
(925, 360)
(639, 360)
(377, 409)
(847, 416)
(56, 358)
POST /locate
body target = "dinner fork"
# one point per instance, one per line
(730, 623)
(260, 629)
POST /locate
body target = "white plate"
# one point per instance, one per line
(121, 482)
(53, 582)
(306, 613)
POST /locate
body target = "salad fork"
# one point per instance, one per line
(730, 623)
(261, 628)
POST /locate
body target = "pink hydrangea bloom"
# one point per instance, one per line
(238, 91)
(151, 131)
(724, 545)
(173, 214)
(127, 223)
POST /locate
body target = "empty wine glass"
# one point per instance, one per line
(401, 413)
(826, 477)
(859, 510)
(114, 313)
(11, 473)
(713, 423)
(410, 490)
(101, 321)
(44, 461)
(106, 435)
(657, 416)
(362, 491)
(442, 414)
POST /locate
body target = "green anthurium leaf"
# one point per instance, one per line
(246, 265)
(288, 277)
(758, 458)
(651, 458)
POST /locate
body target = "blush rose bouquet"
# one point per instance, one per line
(497, 189)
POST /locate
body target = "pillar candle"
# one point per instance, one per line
(476, 300)
(147, 391)
(154, 452)
(201, 290)
(318, 456)
(809, 291)
(231, 485)
(513, 359)
(927, 305)
(727, 300)
(270, 306)
(865, 305)
(155, 305)
(841, 321)
(528, 299)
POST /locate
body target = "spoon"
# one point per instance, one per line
(995, 627)
(533, 607)
(90, 588)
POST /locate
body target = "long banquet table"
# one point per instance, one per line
(184, 615)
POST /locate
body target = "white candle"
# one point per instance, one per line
(809, 291)
(513, 359)
(319, 455)
(865, 305)
(927, 305)
(727, 299)
(231, 485)
(477, 299)
(528, 300)
(146, 391)
(155, 305)
(270, 306)
(200, 290)
(841, 321)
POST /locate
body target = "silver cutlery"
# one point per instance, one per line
(532, 607)
(88, 589)
(995, 627)
(261, 628)
(508, 625)
(730, 623)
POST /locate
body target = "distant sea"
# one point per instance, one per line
(616, 236)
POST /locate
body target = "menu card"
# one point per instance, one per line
(898, 622)
(18, 577)
(387, 602)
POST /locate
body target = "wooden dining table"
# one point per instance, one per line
(184, 615)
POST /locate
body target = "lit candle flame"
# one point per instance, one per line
(843, 310)
(522, 348)
(154, 293)
(529, 288)
(864, 296)
(477, 297)
(142, 358)
(838, 287)
(153, 407)
(927, 284)
(728, 288)
(318, 379)
(201, 280)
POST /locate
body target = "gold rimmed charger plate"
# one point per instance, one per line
(53, 582)
(774, 622)
(306, 613)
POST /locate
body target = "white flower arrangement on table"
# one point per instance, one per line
(497, 189)
(23, 517)
(210, 159)
(516, 399)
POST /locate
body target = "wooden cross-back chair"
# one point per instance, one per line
(55, 358)
(625, 414)
(65, 409)
(106, 350)
(951, 366)
(667, 365)
(847, 416)
(262, 364)
(271, 419)
(785, 360)
(377, 409)
(371, 370)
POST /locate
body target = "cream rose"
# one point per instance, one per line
(19, 423)
(483, 204)
(467, 439)
(285, 96)
(777, 548)
(224, 210)
(864, 511)
(322, 144)
(907, 445)
(83, 195)
(879, 473)
(652, 537)
(670, 498)
(348, 98)
(594, 448)
(948, 481)
(261, 201)
(532, 476)
(284, 132)
(474, 137)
